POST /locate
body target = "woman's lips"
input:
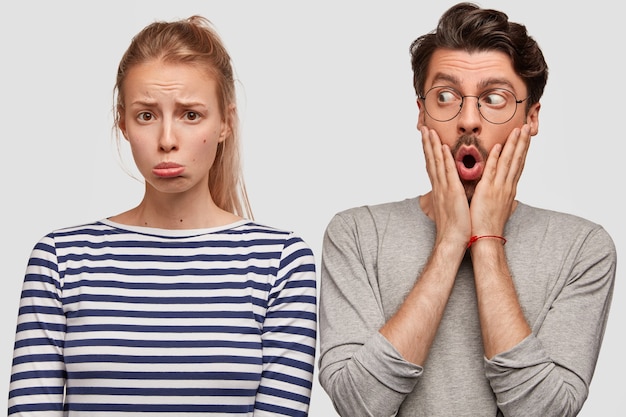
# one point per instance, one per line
(168, 170)
(469, 163)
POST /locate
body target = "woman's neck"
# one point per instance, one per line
(176, 212)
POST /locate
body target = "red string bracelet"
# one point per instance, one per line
(475, 238)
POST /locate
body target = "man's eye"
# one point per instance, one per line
(494, 99)
(445, 96)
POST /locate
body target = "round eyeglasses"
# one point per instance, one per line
(497, 105)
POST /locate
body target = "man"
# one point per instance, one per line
(464, 301)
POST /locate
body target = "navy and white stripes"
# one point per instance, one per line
(117, 320)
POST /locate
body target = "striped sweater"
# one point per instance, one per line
(117, 320)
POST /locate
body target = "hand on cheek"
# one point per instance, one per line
(494, 197)
(449, 208)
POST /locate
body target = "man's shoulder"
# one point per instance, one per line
(549, 215)
(375, 212)
(408, 204)
(560, 225)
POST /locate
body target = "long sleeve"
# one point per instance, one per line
(289, 336)
(38, 372)
(362, 372)
(549, 373)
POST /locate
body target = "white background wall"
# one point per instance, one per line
(328, 116)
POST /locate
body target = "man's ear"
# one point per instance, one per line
(533, 118)
(420, 116)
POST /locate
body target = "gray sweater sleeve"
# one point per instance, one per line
(361, 371)
(549, 373)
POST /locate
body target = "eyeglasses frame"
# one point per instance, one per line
(423, 98)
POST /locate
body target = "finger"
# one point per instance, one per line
(435, 164)
(428, 153)
(520, 152)
(505, 158)
(451, 172)
(491, 166)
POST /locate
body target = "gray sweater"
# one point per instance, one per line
(563, 268)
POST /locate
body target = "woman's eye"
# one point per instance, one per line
(192, 115)
(145, 116)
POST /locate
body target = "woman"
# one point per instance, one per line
(181, 305)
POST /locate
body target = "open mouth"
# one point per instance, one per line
(469, 161)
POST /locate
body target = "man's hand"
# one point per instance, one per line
(450, 208)
(494, 197)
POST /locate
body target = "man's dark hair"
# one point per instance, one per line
(470, 28)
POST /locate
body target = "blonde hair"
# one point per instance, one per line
(193, 41)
